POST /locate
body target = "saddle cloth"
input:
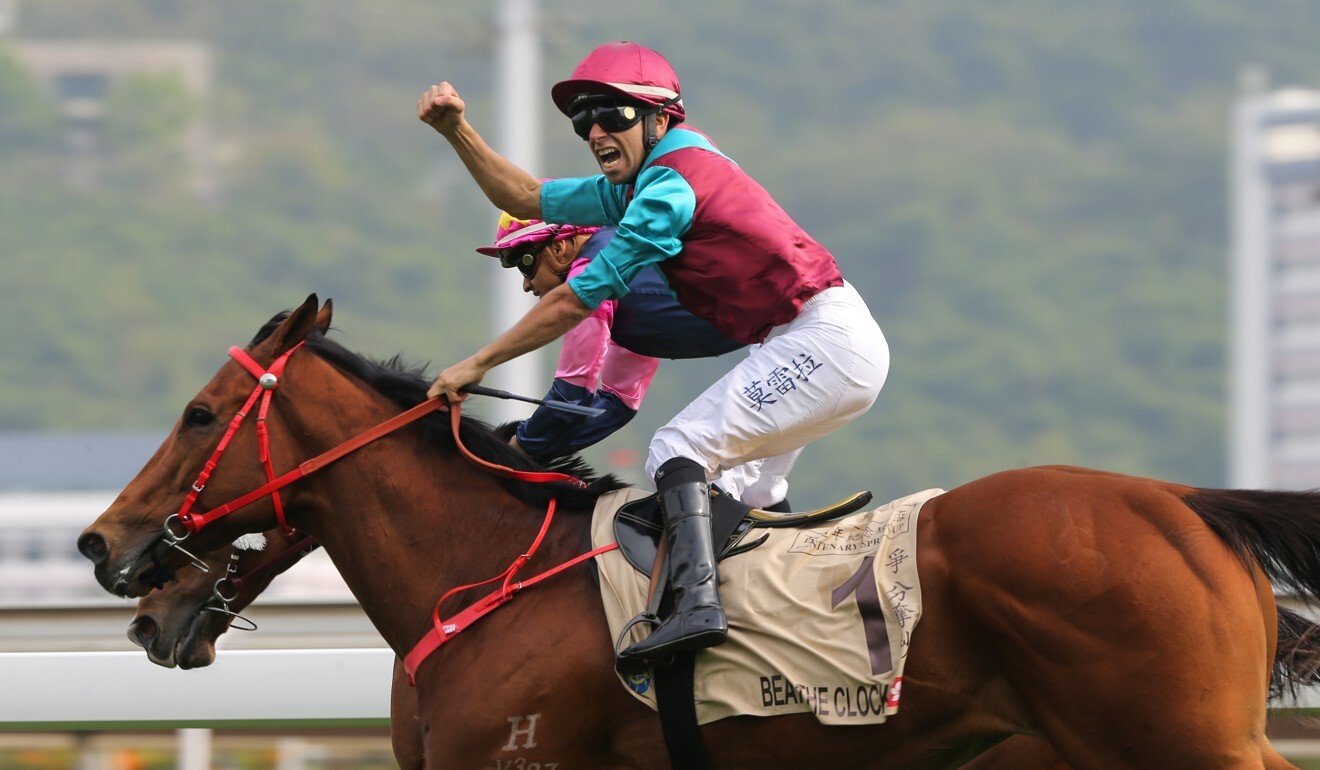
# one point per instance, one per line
(820, 618)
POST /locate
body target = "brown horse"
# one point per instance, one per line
(177, 625)
(1129, 622)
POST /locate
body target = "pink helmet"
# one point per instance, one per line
(512, 232)
(626, 70)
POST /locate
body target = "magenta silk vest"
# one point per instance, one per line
(746, 267)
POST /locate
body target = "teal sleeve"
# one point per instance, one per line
(588, 200)
(650, 231)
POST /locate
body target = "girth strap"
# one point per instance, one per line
(676, 703)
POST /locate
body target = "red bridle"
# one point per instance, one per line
(442, 629)
(267, 381)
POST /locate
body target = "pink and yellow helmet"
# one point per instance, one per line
(626, 70)
(511, 232)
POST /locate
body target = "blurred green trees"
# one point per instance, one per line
(1030, 196)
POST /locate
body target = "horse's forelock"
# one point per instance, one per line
(269, 328)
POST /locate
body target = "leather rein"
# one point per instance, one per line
(226, 589)
(442, 629)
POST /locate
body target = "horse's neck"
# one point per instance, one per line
(405, 525)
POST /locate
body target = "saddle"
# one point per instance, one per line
(639, 530)
(639, 527)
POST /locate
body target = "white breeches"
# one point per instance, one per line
(810, 377)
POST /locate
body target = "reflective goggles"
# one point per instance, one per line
(613, 118)
(526, 256)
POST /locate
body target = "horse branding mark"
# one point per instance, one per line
(515, 730)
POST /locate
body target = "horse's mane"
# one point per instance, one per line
(406, 385)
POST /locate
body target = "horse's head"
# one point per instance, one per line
(179, 624)
(129, 543)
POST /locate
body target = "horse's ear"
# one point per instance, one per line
(296, 326)
(322, 324)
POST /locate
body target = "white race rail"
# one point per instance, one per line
(104, 690)
(63, 691)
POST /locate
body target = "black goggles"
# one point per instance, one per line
(613, 118)
(526, 256)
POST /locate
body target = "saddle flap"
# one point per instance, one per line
(638, 526)
(637, 529)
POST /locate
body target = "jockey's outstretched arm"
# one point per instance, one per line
(547, 321)
(504, 183)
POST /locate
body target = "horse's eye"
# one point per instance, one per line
(197, 417)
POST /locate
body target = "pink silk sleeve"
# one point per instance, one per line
(627, 375)
(589, 359)
(582, 353)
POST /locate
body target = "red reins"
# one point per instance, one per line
(442, 630)
(267, 382)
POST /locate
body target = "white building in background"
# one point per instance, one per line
(1274, 439)
(53, 485)
(38, 561)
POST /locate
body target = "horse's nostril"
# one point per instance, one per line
(143, 630)
(93, 547)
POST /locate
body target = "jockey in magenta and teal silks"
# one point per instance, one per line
(707, 225)
(732, 256)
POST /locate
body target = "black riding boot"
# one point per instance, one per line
(698, 619)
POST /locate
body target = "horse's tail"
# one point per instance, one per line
(1280, 531)
(1297, 655)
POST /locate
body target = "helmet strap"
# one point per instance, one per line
(649, 138)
